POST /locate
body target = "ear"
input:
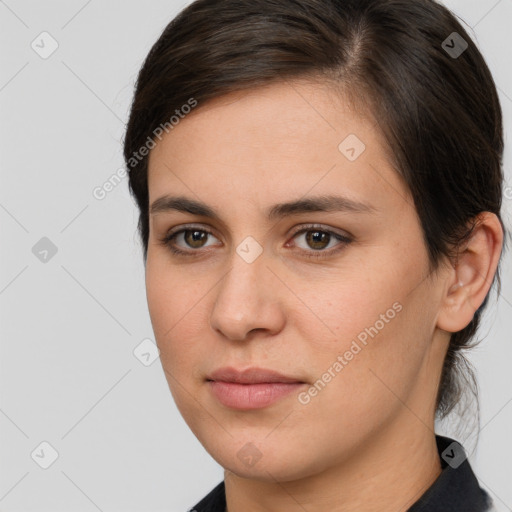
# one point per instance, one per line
(469, 281)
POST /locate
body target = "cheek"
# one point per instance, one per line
(173, 306)
(363, 391)
(373, 339)
(173, 299)
(349, 306)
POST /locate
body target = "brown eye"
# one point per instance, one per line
(318, 239)
(192, 239)
(195, 238)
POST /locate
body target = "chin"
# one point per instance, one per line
(265, 462)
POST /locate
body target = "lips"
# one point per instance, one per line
(252, 388)
(253, 375)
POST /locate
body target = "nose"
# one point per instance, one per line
(249, 298)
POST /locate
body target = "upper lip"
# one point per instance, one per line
(253, 375)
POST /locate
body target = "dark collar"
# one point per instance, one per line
(456, 489)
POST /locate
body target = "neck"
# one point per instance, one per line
(389, 473)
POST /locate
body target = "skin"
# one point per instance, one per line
(372, 426)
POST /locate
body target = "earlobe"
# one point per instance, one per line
(469, 281)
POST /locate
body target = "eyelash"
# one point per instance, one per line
(167, 241)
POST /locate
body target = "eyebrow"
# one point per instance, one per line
(325, 203)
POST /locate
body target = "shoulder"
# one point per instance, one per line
(457, 488)
(214, 501)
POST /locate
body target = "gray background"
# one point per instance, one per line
(70, 325)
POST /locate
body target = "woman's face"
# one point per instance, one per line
(354, 327)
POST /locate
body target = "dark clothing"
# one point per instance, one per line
(456, 489)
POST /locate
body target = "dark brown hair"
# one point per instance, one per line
(439, 111)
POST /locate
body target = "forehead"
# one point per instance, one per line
(284, 139)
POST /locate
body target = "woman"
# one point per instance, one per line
(319, 185)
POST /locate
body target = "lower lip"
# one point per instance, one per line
(251, 396)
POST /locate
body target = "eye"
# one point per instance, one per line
(193, 237)
(318, 239)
